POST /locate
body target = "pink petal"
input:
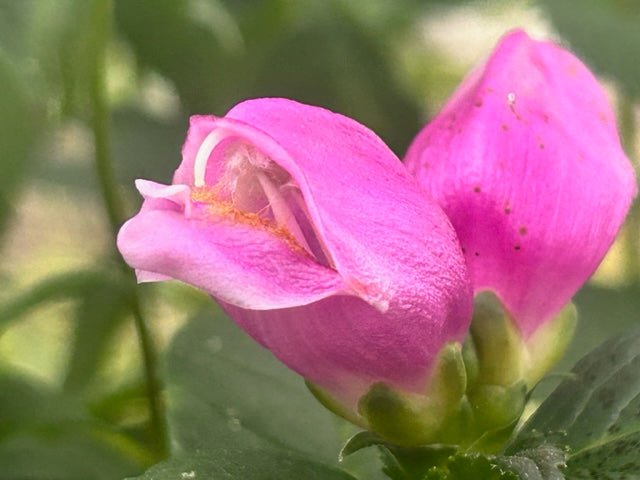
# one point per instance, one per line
(238, 263)
(526, 162)
(245, 266)
(346, 345)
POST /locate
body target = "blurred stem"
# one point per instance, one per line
(628, 132)
(101, 16)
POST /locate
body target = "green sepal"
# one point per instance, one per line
(548, 344)
(406, 418)
(501, 356)
(495, 406)
(334, 405)
(497, 342)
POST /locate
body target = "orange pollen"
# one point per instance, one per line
(226, 208)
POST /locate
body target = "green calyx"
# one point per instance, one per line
(408, 419)
(503, 357)
(476, 392)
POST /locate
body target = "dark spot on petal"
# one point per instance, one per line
(516, 247)
(541, 146)
(476, 189)
(523, 230)
(504, 127)
(477, 254)
(545, 117)
(464, 250)
(478, 103)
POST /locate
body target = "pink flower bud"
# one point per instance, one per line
(526, 162)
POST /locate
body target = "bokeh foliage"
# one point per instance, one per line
(85, 78)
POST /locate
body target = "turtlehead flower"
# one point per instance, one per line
(324, 248)
(314, 238)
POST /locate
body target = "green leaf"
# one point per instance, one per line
(540, 463)
(98, 316)
(223, 387)
(232, 463)
(46, 434)
(594, 415)
(619, 306)
(605, 32)
(360, 440)
(444, 462)
(236, 412)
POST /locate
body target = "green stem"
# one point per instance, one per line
(101, 21)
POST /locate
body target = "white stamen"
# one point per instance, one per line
(202, 157)
(281, 211)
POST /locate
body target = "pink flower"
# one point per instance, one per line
(526, 162)
(313, 237)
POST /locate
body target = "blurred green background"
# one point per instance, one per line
(97, 93)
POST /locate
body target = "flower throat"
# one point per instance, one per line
(239, 181)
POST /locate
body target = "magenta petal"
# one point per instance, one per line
(345, 345)
(526, 162)
(239, 264)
